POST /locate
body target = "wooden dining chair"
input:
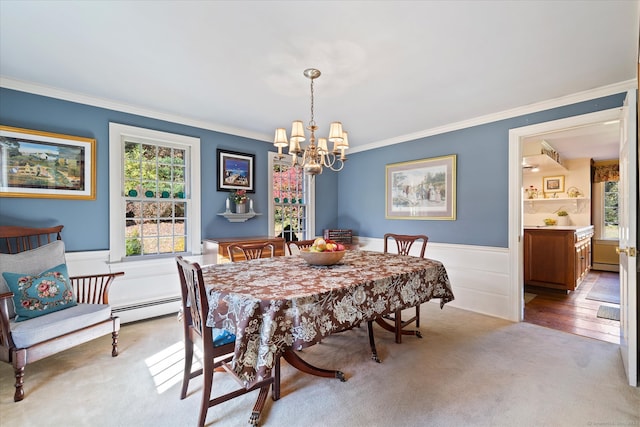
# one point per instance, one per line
(247, 251)
(300, 244)
(404, 242)
(218, 347)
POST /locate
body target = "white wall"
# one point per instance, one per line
(578, 175)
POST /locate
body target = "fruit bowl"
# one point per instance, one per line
(321, 258)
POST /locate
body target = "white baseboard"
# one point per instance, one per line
(605, 267)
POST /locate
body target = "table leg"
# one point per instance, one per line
(391, 328)
(296, 361)
(372, 342)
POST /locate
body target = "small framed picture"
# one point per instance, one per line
(235, 171)
(553, 184)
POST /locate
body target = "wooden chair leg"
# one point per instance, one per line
(114, 343)
(19, 394)
(19, 363)
(188, 359)
(418, 316)
(206, 391)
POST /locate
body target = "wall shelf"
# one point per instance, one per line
(544, 163)
(571, 204)
(235, 217)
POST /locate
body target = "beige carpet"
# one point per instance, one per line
(468, 370)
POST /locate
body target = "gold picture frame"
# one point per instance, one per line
(40, 164)
(553, 184)
(422, 189)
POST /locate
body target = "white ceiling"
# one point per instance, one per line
(391, 70)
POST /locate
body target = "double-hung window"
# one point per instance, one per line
(610, 210)
(291, 206)
(155, 193)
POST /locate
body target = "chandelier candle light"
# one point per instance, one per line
(314, 157)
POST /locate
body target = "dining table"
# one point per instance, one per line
(277, 306)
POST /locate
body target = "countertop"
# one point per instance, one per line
(559, 227)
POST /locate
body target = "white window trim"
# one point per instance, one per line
(597, 212)
(310, 184)
(117, 135)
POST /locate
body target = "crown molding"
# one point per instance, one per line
(52, 92)
(506, 114)
(36, 89)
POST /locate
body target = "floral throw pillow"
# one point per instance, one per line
(36, 295)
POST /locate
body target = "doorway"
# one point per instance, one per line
(568, 311)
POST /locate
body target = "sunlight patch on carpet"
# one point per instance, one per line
(166, 366)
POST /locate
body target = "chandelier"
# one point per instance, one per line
(315, 156)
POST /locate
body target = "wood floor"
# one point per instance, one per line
(572, 312)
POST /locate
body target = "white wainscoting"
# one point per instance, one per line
(148, 289)
(479, 277)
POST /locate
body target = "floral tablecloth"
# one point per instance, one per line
(273, 304)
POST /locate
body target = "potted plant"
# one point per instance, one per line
(563, 217)
(239, 198)
(532, 192)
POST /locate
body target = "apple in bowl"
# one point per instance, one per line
(328, 245)
(323, 252)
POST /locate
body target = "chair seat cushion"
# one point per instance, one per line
(43, 328)
(35, 295)
(222, 337)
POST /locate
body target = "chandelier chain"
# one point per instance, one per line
(312, 122)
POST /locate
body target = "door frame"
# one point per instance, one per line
(516, 226)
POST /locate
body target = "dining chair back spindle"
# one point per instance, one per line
(300, 244)
(404, 242)
(247, 251)
(218, 347)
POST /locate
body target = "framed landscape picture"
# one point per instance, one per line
(422, 189)
(236, 171)
(43, 164)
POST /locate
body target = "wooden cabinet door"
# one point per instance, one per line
(549, 258)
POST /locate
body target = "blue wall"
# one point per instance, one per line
(87, 222)
(360, 188)
(482, 180)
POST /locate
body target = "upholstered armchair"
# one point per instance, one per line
(43, 311)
